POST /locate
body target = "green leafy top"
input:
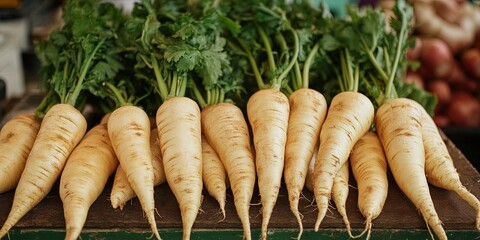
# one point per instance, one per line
(364, 57)
(267, 39)
(173, 51)
(311, 23)
(222, 50)
(81, 52)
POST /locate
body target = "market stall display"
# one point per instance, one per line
(172, 62)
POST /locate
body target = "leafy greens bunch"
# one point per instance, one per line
(222, 51)
(83, 52)
(178, 48)
(361, 54)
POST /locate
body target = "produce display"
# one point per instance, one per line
(447, 50)
(233, 94)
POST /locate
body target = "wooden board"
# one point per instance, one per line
(398, 212)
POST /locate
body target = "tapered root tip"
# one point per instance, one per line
(115, 205)
(242, 208)
(72, 233)
(322, 204)
(247, 235)
(320, 217)
(347, 226)
(153, 224)
(472, 201)
(222, 208)
(157, 235)
(4, 231)
(368, 228)
(263, 236)
(267, 209)
(297, 214)
(114, 201)
(186, 235)
(300, 224)
(477, 221)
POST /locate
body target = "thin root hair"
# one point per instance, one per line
(311, 204)
(314, 210)
(221, 213)
(259, 213)
(329, 210)
(313, 201)
(221, 220)
(428, 228)
(368, 225)
(156, 211)
(302, 196)
(301, 215)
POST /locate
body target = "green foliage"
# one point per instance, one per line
(82, 53)
(222, 51)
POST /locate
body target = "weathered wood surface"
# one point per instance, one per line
(398, 212)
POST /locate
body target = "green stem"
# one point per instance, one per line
(198, 95)
(340, 81)
(45, 104)
(65, 77)
(173, 87)
(345, 72)
(118, 96)
(209, 96)
(374, 83)
(296, 47)
(215, 3)
(295, 76)
(218, 95)
(350, 82)
(293, 81)
(374, 61)
(213, 95)
(308, 64)
(390, 90)
(149, 7)
(168, 15)
(183, 82)
(253, 64)
(79, 86)
(386, 58)
(288, 90)
(356, 78)
(146, 61)
(162, 87)
(222, 96)
(283, 46)
(298, 76)
(268, 48)
(235, 48)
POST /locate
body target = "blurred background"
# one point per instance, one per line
(447, 54)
